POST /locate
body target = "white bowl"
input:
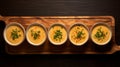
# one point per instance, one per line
(103, 24)
(36, 24)
(55, 43)
(87, 30)
(13, 24)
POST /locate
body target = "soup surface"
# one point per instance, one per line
(78, 34)
(14, 34)
(36, 34)
(57, 34)
(101, 34)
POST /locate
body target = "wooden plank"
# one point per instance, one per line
(67, 48)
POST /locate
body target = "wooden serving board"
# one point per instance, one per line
(67, 48)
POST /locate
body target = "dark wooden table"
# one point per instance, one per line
(60, 8)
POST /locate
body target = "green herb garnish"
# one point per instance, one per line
(15, 34)
(80, 34)
(100, 35)
(35, 34)
(58, 35)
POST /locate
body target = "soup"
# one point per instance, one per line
(101, 34)
(14, 34)
(36, 34)
(78, 34)
(57, 34)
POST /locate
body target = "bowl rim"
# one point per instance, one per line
(85, 26)
(36, 24)
(97, 24)
(59, 24)
(12, 24)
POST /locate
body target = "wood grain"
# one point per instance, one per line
(67, 48)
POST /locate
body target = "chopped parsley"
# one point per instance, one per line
(100, 35)
(80, 34)
(58, 35)
(15, 34)
(35, 34)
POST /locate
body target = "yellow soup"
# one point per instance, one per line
(78, 34)
(36, 34)
(14, 34)
(57, 34)
(101, 34)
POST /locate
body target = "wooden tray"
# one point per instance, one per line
(67, 48)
